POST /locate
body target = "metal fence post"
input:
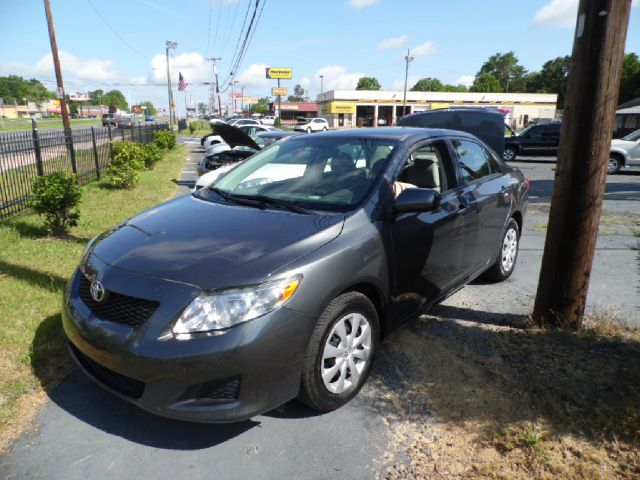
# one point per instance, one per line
(36, 145)
(95, 152)
(121, 132)
(68, 139)
(110, 144)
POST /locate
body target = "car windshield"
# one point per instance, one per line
(633, 136)
(327, 174)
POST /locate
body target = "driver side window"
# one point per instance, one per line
(423, 169)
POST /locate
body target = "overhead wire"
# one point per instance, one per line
(115, 32)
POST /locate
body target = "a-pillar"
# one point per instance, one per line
(375, 116)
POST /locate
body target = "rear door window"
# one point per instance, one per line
(473, 160)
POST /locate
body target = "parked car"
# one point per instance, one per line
(224, 304)
(625, 152)
(149, 118)
(535, 140)
(262, 139)
(108, 119)
(487, 125)
(268, 120)
(243, 121)
(124, 122)
(251, 130)
(312, 125)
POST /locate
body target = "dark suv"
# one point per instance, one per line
(534, 140)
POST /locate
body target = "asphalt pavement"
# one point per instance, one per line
(84, 432)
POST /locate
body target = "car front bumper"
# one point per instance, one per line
(232, 376)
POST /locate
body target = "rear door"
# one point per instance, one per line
(551, 136)
(488, 191)
(532, 141)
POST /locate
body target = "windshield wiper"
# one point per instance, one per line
(291, 206)
(239, 199)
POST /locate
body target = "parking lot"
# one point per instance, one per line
(84, 432)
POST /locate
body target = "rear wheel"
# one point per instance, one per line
(509, 154)
(340, 352)
(614, 165)
(508, 254)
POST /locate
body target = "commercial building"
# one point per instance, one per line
(351, 108)
(294, 110)
(627, 121)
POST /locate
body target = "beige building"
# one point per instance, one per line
(351, 108)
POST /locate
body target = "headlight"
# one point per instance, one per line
(224, 309)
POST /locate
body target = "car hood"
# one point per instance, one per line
(234, 136)
(211, 245)
(623, 144)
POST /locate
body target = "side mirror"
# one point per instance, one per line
(417, 200)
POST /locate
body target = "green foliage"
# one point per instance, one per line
(151, 109)
(506, 70)
(115, 98)
(427, 85)
(165, 140)
(15, 88)
(277, 122)
(127, 164)
(551, 79)
(55, 197)
(486, 82)
(298, 94)
(368, 83)
(630, 80)
(454, 88)
(262, 106)
(202, 108)
(151, 154)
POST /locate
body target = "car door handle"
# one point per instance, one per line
(505, 192)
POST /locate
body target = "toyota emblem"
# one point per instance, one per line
(97, 291)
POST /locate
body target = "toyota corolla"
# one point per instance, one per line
(285, 284)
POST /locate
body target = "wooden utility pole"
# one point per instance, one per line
(60, 90)
(585, 139)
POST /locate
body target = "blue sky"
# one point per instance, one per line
(340, 39)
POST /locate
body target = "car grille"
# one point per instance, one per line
(117, 308)
(125, 385)
(216, 392)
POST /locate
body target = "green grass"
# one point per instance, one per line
(19, 125)
(33, 271)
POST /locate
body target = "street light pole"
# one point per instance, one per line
(407, 59)
(242, 98)
(169, 45)
(321, 83)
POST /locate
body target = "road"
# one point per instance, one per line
(83, 432)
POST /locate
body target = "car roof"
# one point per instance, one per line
(395, 133)
(276, 134)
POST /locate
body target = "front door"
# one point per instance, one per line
(429, 250)
(532, 141)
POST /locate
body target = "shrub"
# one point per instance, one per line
(126, 165)
(55, 197)
(277, 122)
(165, 140)
(151, 154)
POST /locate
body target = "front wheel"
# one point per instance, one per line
(340, 352)
(509, 154)
(309, 130)
(508, 254)
(324, 129)
(614, 165)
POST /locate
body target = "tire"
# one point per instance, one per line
(509, 153)
(507, 254)
(327, 339)
(614, 164)
(308, 130)
(324, 129)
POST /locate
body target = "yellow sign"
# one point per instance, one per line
(279, 72)
(250, 99)
(339, 107)
(438, 105)
(278, 91)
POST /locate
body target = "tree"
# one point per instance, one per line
(115, 98)
(298, 91)
(455, 88)
(97, 96)
(15, 88)
(507, 71)
(368, 83)
(486, 82)
(262, 106)
(151, 109)
(427, 85)
(630, 81)
(202, 108)
(551, 79)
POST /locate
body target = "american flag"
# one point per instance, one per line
(182, 85)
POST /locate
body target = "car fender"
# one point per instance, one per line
(622, 152)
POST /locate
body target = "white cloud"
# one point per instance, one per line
(466, 80)
(139, 80)
(424, 49)
(75, 68)
(254, 77)
(336, 77)
(393, 42)
(362, 3)
(193, 66)
(561, 13)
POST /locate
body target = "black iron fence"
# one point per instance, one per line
(87, 153)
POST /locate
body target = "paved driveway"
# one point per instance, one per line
(84, 432)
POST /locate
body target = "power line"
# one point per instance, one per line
(209, 27)
(116, 33)
(235, 51)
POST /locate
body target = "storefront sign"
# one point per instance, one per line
(279, 72)
(338, 107)
(275, 91)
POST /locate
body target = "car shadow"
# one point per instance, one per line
(542, 191)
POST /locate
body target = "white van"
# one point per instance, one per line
(268, 120)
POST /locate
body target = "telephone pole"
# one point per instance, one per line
(213, 61)
(60, 90)
(583, 154)
(172, 116)
(407, 59)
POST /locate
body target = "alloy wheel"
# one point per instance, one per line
(509, 249)
(346, 353)
(614, 165)
(508, 155)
